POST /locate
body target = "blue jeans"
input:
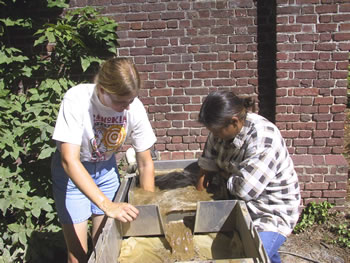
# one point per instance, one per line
(272, 242)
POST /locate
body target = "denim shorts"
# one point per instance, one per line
(71, 204)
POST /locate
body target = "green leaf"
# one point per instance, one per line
(22, 238)
(85, 63)
(57, 3)
(17, 22)
(14, 227)
(40, 40)
(36, 212)
(4, 205)
(45, 153)
(50, 36)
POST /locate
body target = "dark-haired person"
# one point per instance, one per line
(249, 151)
(93, 122)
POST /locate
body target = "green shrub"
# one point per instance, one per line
(313, 214)
(31, 88)
(343, 234)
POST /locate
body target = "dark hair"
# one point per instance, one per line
(219, 107)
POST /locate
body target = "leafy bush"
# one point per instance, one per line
(313, 214)
(343, 234)
(31, 88)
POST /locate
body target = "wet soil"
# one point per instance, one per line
(175, 193)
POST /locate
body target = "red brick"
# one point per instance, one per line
(326, 101)
(304, 178)
(190, 155)
(324, 83)
(306, 75)
(322, 65)
(156, 108)
(157, 42)
(160, 76)
(205, 57)
(316, 186)
(305, 91)
(302, 142)
(176, 116)
(136, 17)
(240, 39)
(154, 25)
(165, 156)
(140, 51)
(326, 47)
(288, 117)
(316, 194)
(341, 18)
(319, 150)
(289, 28)
(160, 92)
(334, 142)
(196, 91)
(160, 133)
(307, 38)
(288, 65)
(177, 155)
(153, 7)
(321, 134)
(307, 19)
(317, 170)
(202, 40)
(339, 193)
(193, 123)
(302, 159)
(205, 74)
(172, 15)
(336, 160)
(326, 27)
(305, 194)
(338, 108)
(320, 9)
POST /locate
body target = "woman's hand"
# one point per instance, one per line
(124, 212)
(204, 180)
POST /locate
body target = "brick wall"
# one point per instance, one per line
(291, 55)
(313, 43)
(184, 49)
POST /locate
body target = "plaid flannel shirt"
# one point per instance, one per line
(259, 170)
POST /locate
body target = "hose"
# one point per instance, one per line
(300, 256)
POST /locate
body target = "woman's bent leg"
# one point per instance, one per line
(75, 236)
(98, 221)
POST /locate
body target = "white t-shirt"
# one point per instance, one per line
(99, 130)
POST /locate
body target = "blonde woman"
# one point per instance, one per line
(93, 122)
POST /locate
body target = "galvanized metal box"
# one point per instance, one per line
(234, 214)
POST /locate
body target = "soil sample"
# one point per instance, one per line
(157, 249)
(180, 239)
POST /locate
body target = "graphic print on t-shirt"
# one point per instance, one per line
(109, 136)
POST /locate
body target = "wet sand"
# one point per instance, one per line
(157, 250)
